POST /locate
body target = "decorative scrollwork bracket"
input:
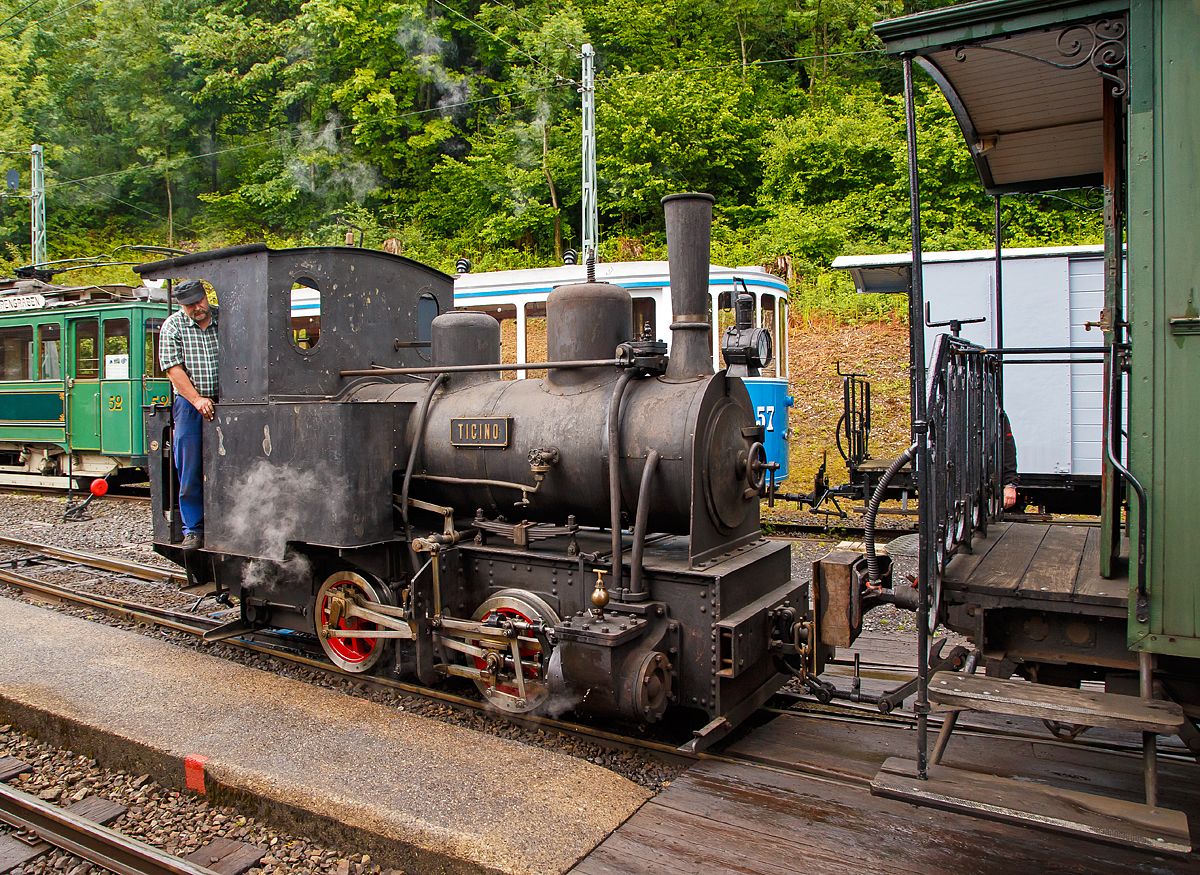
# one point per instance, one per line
(1103, 44)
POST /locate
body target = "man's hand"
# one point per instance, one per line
(1010, 495)
(207, 410)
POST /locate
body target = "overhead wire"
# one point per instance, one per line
(337, 128)
(560, 81)
(19, 11)
(47, 18)
(497, 38)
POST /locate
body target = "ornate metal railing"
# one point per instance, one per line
(966, 452)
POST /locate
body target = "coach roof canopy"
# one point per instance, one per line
(1025, 80)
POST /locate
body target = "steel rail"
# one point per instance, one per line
(94, 560)
(90, 841)
(668, 753)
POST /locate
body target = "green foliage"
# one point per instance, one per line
(454, 128)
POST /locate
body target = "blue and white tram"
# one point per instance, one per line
(517, 299)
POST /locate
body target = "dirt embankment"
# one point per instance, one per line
(879, 350)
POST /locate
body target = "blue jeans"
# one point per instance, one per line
(189, 462)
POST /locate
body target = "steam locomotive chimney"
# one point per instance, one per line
(689, 235)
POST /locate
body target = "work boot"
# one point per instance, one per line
(192, 542)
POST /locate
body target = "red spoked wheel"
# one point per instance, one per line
(341, 589)
(504, 692)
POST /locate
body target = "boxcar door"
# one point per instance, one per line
(116, 407)
(83, 383)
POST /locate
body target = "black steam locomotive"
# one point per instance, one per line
(586, 540)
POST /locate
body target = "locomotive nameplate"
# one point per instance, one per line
(480, 431)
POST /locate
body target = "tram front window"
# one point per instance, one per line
(50, 352)
(16, 353)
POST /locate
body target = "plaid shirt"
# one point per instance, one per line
(181, 342)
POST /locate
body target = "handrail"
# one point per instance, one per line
(1142, 608)
(966, 451)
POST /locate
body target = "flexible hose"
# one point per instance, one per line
(873, 509)
(418, 439)
(614, 472)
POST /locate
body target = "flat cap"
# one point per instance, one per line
(190, 291)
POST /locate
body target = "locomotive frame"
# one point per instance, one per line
(598, 548)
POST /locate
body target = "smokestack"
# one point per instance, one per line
(689, 235)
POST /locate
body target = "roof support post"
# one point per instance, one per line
(1111, 484)
(928, 532)
(999, 299)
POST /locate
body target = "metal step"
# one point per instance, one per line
(953, 691)
(1038, 805)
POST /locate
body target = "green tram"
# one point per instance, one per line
(77, 364)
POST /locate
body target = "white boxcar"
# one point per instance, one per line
(1048, 294)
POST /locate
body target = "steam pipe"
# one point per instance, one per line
(418, 439)
(470, 369)
(689, 241)
(614, 472)
(640, 525)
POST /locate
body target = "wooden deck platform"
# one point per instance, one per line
(799, 800)
(1035, 560)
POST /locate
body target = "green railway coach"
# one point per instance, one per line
(76, 367)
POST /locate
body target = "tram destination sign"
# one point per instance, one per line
(480, 431)
(9, 303)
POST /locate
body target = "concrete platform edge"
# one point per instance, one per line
(114, 752)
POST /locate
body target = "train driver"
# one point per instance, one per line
(188, 354)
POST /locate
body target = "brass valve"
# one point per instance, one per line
(600, 597)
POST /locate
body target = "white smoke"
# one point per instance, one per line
(426, 48)
(319, 164)
(270, 503)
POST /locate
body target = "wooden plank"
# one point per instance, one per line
(98, 810)
(1055, 565)
(1001, 570)
(227, 857)
(1090, 587)
(954, 690)
(10, 767)
(14, 852)
(854, 752)
(960, 567)
(1066, 811)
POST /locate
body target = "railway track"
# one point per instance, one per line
(304, 652)
(41, 826)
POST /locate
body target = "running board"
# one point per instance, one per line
(1025, 803)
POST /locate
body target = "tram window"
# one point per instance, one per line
(153, 368)
(781, 341)
(50, 351)
(767, 321)
(116, 349)
(306, 314)
(87, 350)
(16, 353)
(643, 316)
